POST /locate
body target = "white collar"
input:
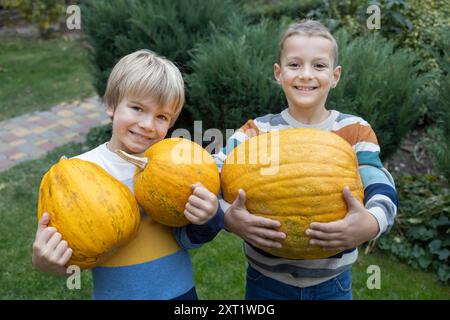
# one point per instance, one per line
(324, 125)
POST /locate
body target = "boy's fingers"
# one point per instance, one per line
(329, 244)
(269, 234)
(203, 194)
(239, 202)
(192, 218)
(65, 257)
(316, 234)
(265, 222)
(264, 243)
(54, 241)
(43, 222)
(44, 235)
(196, 186)
(195, 201)
(352, 202)
(198, 212)
(61, 247)
(328, 227)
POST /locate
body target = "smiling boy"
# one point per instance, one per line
(307, 69)
(144, 96)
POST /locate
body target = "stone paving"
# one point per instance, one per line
(32, 135)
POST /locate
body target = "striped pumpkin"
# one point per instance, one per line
(304, 183)
(162, 183)
(94, 212)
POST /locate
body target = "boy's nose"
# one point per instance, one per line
(147, 123)
(305, 73)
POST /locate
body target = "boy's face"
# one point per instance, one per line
(138, 124)
(306, 73)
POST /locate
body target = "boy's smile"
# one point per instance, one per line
(306, 74)
(138, 124)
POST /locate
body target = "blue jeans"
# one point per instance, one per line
(260, 287)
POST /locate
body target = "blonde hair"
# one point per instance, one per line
(145, 74)
(309, 28)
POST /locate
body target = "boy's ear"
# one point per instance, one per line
(336, 76)
(109, 111)
(277, 72)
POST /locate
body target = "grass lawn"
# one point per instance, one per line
(37, 74)
(219, 265)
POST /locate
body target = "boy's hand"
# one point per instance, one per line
(50, 252)
(201, 206)
(260, 232)
(357, 227)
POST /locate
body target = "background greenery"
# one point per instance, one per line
(35, 75)
(397, 78)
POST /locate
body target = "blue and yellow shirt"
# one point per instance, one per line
(155, 264)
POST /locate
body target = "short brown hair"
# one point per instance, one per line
(309, 28)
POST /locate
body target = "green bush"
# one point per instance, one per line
(43, 13)
(98, 135)
(421, 233)
(441, 147)
(379, 84)
(412, 24)
(261, 9)
(170, 28)
(232, 79)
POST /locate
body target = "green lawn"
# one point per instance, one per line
(37, 74)
(219, 265)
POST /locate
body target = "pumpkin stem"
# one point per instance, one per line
(140, 162)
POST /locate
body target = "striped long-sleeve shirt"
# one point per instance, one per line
(380, 197)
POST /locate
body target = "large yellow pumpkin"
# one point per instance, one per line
(295, 176)
(163, 179)
(94, 212)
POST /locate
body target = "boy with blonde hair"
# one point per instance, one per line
(307, 68)
(144, 96)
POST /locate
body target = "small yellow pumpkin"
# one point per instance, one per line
(94, 212)
(164, 175)
(295, 176)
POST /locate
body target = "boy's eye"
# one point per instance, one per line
(162, 117)
(135, 108)
(321, 66)
(293, 65)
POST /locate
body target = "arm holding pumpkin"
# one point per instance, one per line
(358, 226)
(201, 206)
(50, 252)
(362, 223)
(260, 232)
(205, 215)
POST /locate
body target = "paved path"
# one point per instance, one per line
(32, 135)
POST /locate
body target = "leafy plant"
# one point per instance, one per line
(441, 148)
(170, 28)
(421, 233)
(44, 13)
(379, 84)
(258, 10)
(232, 79)
(98, 135)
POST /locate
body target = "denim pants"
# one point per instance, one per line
(260, 287)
